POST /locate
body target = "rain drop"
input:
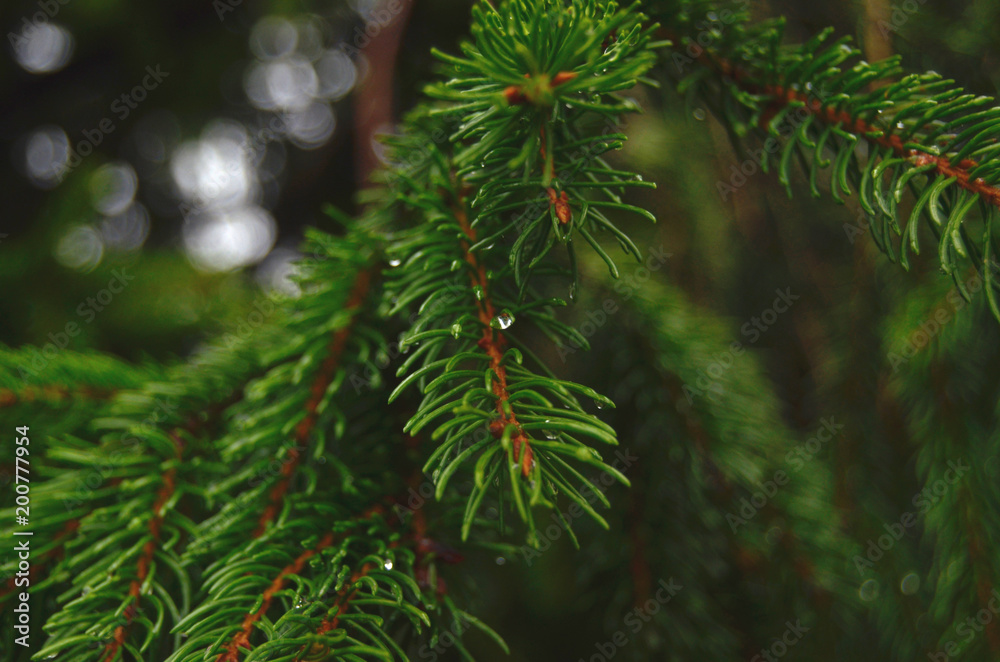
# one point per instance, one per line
(387, 565)
(477, 290)
(502, 321)
(910, 584)
(456, 265)
(868, 590)
(501, 560)
(395, 262)
(456, 330)
(699, 114)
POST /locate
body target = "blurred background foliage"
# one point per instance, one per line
(267, 111)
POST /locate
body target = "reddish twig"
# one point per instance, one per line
(242, 638)
(783, 95)
(493, 343)
(146, 556)
(320, 384)
(52, 392)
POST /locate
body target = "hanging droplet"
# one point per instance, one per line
(395, 262)
(572, 292)
(477, 291)
(387, 565)
(868, 590)
(549, 434)
(598, 404)
(699, 114)
(502, 321)
(910, 584)
(456, 330)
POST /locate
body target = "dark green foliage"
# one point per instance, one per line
(256, 501)
(880, 133)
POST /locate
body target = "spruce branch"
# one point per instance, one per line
(320, 385)
(881, 132)
(520, 120)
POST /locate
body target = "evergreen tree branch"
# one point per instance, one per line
(820, 103)
(147, 558)
(318, 390)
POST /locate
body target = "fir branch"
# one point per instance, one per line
(819, 102)
(241, 640)
(146, 558)
(53, 393)
(320, 385)
(493, 343)
(521, 118)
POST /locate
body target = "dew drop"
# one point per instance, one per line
(699, 114)
(598, 404)
(387, 565)
(477, 290)
(910, 584)
(868, 590)
(456, 330)
(501, 560)
(456, 265)
(502, 321)
(395, 262)
(549, 434)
